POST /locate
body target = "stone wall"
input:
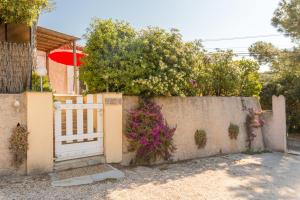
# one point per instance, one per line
(213, 114)
(10, 116)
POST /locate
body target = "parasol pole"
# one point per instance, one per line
(75, 68)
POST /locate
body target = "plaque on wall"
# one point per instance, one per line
(113, 101)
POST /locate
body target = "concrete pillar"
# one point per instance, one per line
(112, 115)
(40, 127)
(279, 120)
(274, 130)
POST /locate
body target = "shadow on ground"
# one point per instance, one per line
(264, 176)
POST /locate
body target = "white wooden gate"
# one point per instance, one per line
(78, 128)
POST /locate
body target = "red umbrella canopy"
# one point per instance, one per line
(66, 57)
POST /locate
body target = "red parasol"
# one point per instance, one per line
(66, 57)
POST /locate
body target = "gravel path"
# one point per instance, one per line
(265, 176)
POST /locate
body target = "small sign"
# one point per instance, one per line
(113, 101)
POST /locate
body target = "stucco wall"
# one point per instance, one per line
(112, 116)
(213, 114)
(274, 130)
(40, 127)
(58, 77)
(10, 116)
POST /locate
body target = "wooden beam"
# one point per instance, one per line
(56, 34)
(52, 37)
(47, 45)
(47, 41)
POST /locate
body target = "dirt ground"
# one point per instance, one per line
(263, 176)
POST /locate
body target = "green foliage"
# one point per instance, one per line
(287, 17)
(222, 76)
(200, 138)
(287, 84)
(152, 62)
(156, 62)
(18, 145)
(22, 11)
(36, 83)
(280, 60)
(284, 79)
(233, 131)
(168, 63)
(264, 52)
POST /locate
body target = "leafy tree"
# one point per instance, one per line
(156, 62)
(288, 85)
(222, 76)
(22, 11)
(287, 18)
(284, 79)
(168, 63)
(152, 62)
(112, 61)
(280, 60)
(263, 52)
(249, 84)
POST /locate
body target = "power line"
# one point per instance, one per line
(240, 38)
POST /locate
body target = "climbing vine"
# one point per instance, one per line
(253, 121)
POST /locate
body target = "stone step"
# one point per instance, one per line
(77, 163)
(85, 175)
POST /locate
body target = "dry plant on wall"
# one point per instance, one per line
(18, 145)
(253, 121)
(233, 131)
(200, 138)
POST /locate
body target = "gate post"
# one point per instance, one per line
(274, 130)
(40, 128)
(112, 116)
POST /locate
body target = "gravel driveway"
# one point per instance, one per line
(264, 176)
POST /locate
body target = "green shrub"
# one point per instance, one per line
(233, 131)
(36, 83)
(200, 138)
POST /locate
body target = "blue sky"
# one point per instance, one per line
(196, 19)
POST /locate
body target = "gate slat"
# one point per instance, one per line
(79, 117)
(78, 137)
(57, 118)
(57, 127)
(100, 121)
(69, 120)
(90, 120)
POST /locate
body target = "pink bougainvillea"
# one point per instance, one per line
(149, 134)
